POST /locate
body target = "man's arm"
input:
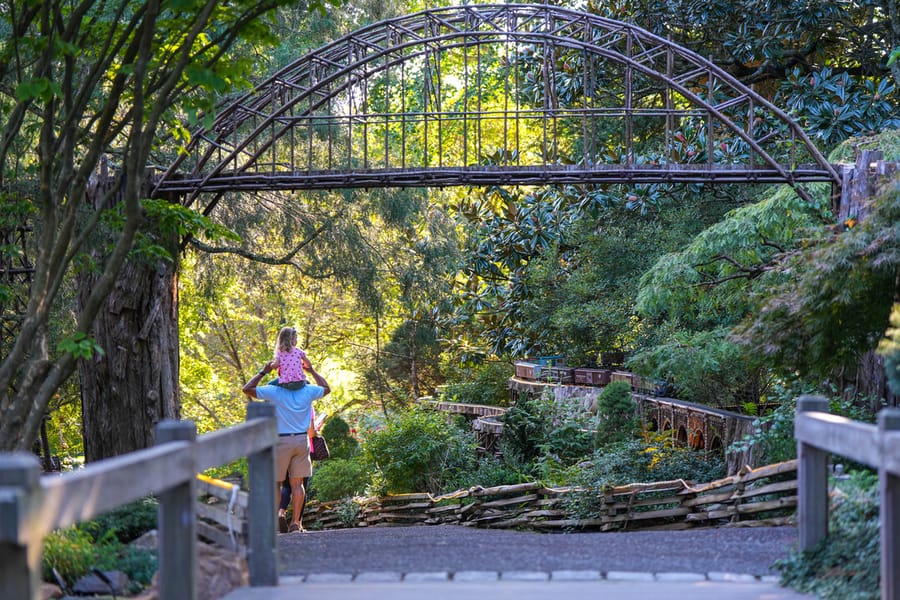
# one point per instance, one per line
(250, 387)
(320, 381)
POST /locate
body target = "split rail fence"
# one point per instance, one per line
(753, 497)
(820, 434)
(32, 506)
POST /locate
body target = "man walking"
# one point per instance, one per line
(292, 413)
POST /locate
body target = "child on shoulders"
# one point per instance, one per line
(289, 360)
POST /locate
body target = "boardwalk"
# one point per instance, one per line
(442, 562)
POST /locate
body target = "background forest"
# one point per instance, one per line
(733, 295)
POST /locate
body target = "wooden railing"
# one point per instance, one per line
(820, 434)
(32, 506)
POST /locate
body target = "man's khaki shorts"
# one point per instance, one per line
(292, 456)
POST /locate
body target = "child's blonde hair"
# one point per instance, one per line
(287, 339)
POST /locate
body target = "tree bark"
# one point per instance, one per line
(134, 385)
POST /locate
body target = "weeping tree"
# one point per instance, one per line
(87, 91)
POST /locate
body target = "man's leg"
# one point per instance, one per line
(285, 488)
(298, 497)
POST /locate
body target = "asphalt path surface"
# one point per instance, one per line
(449, 548)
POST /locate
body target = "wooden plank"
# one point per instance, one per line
(219, 515)
(788, 466)
(891, 453)
(107, 484)
(240, 502)
(217, 536)
(227, 445)
(510, 501)
(507, 489)
(709, 499)
(755, 507)
(411, 506)
(772, 488)
(838, 435)
(401, 498)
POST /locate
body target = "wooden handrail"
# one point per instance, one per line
(818, 434)
(31, 506)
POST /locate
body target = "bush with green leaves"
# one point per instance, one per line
(74, 552)
(341, 444)
(419, 451)
(845, 565)
(338, 478)
(127, 522)
(486, 383)
(546, 427)
(637, 460)
(616, 413)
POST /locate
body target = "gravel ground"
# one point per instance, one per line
(455, 548)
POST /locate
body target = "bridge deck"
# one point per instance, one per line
(486, 176)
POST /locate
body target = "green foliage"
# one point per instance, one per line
(773, 435)
(836, 303)
(711, 281)
(889, 347)
(80, 345)
(341, 444)
(704, 367)
(418, 451)
(74, 552)
(616, 414)
(845, 565)
(484, 383)
(835, 106)
(636, 460)
(546, 429)
(127, 522)
(492, 471)
(338, 478)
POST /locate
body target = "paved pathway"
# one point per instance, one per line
(453, 563)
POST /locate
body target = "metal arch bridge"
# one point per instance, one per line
(496, 94)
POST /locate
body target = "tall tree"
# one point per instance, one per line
(82, 83)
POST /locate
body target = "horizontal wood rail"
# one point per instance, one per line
(820, 434)
(31, 506)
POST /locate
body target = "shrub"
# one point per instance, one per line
(845, 565)
(338, 478)
(486, 383)
(127, 522)
(74, 552)
(617, 414)
(419, 452)
(634, 461)
(341, 443)
(545, 428)
(492, 471)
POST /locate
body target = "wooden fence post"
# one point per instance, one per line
(177, 524)
(262, 558)
(20, 556)
(812, 481)
(889, 490)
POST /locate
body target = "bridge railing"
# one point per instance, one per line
(32, 506)
(819, 434)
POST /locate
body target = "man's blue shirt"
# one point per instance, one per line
(292, 407)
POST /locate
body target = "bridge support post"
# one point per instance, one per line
(889, 491)
(20, 552)
(177, 523)
(812, 481)
(262, 559)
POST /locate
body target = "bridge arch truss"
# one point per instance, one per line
(497, 94)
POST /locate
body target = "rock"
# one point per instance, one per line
(92, 584)
(50, 591)
(219, 571)
(148, 541)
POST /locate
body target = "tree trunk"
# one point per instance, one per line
(134, 385)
